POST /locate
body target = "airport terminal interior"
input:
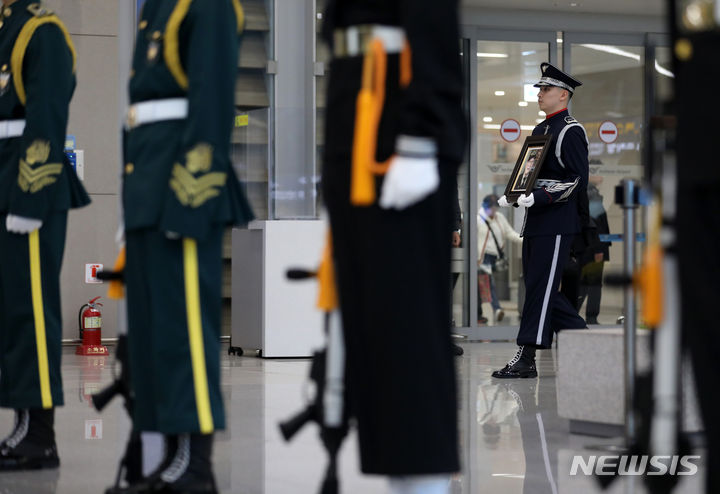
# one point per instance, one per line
(516, 435)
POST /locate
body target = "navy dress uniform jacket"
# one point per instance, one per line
(562, 178)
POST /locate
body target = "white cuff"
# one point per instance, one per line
(420, 147)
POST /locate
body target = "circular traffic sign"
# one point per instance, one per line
(510, 130)
(608, 132)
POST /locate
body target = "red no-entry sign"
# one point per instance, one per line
(510, 130)
(608, 132)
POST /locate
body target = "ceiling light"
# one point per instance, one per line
(613, 51)
(540, 120)
(522, 103)
(492, 55)
(529, 52)
(542, 113)
(573, 4)
(487, 119)
(530, 92)
(559, 40)
(499, 93)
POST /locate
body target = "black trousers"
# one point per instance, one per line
(697, 239)
(174, 306)
(393, 272)
(30, 315)
(546, 310)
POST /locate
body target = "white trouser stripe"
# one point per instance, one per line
(548, 290)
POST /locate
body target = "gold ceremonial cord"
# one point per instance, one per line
(172, 45)
(327, 291)
(39, 315)
(115, 290)
(368, 111)
(195, 332)
(23, 40)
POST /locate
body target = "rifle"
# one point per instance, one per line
(131, 462)
(327, 408)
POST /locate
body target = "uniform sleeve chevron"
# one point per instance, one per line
(195, 192)
(35, 179)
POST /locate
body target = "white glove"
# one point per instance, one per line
(21, 224)
(503, 202)
(526, 200)
(409, 180)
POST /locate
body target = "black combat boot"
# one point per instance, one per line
(31, 446)
(131, 465)
(521, 365)
(190, 472)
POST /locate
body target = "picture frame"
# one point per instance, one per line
(527, 167)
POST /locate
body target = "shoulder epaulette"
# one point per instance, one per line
(570, 120)
(38, 10)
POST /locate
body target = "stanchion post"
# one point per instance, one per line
(629, 205)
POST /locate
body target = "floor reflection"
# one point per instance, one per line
(512, 439)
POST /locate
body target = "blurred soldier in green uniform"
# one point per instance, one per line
(37, 187)
(179, 193)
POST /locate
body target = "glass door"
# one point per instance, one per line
(611, 106)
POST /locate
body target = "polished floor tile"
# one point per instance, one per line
(512, 439)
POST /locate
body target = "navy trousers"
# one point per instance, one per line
(546, 310)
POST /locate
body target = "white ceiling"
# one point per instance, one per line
(628, 7)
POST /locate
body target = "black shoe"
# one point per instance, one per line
(31, 446)
(522, 365)
(457, 349)
(482, 320)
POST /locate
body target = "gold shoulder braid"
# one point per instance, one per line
(239, 15)
(171, 48)
(23, 40)
(195, 191)
(33, 179)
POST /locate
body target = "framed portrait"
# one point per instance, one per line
(522, 180)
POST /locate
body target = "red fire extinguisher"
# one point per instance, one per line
(90, 324)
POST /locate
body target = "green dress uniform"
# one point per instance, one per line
(179, 193)
(37, 81)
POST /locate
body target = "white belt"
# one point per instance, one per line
(11, 128)
(156, 110)
(354, 40)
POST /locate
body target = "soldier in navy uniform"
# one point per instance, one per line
(551, 224)
(391, 252)
(179, 193)
(37, 188)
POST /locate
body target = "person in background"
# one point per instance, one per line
(594, 258)
(494, 231)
